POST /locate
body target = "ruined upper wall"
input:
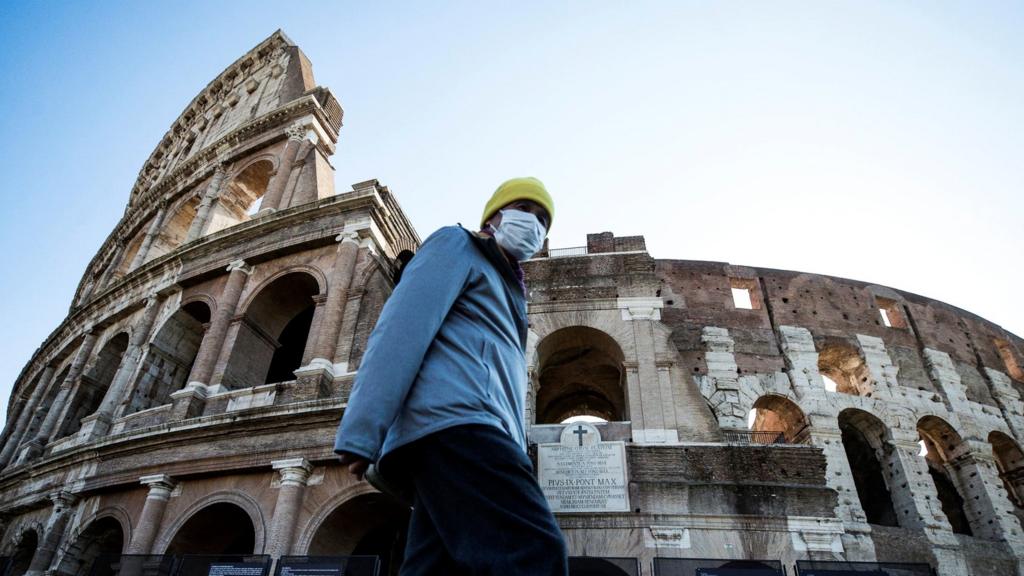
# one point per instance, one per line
(697, 294)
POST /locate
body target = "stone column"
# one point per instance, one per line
(721, 386)
(206, 204)
(275, 188)
(988, 502)
(99, 422)
(319, 303)
(659, 418)
(25, 417)
(74, 374)
(62, 503)
(12, 422)
(151, 233)
(337, 297)
(213, 340)
(160, 488)
(294, 474)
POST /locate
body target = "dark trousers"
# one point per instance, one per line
(478, 510)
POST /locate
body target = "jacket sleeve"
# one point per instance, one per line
(410, 319)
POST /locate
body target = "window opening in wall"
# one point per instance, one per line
(580, 373)
(371, 524)
(1010, 463)
(924, 449)
(840, 362)
(775, 419)
(254, 207)
(863, 438)
(830, 384)
(220, 528)
(890, 312)
(93, 384)
(169, 357)
(941, 443)
(1009, 359)
(744, 293)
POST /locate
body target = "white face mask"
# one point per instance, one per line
(520, 233)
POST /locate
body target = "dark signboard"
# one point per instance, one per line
(716, 567)
(224, 565)
(597, 566)
(328, 566)
(842, 568)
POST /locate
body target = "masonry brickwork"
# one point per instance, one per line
(188, 401)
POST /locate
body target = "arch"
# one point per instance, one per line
(778, 414)
(943, 445)
(235, 498)
(273, 335)
(316, 273)
(94, 383)
(103, 534)
(1010, 463)
(866, 443)
(175, 226)
(37, 417)
(240, 192)
(580, 373)
(313, 524)
(841, 362)
(24, 549)
(367, 523)
(170, 356)
(128, 257)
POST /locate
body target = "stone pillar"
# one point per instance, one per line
(99, 422)
(49, 425)
(206, 204)
(151, 233)
(985, 496)
(337, 297)
(880, 365)
(801, 359)
(160, 488)
(12, 422)
(1009, 401)
(275, 188)
(721, 386)
(54, 532)
(917, 502)
(319, 303)
(25, 417)
(213, 339)
(658, 423)
(294, 474)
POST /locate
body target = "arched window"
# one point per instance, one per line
(580, 374)
(942, 446)
(1010, 462)
(170, 357)
(235, 203)
(93, 384)
(103, 537)
(370, 524)
(273, 334)
(865, 442)
(774, 416)
(840, 362)
(221, 528)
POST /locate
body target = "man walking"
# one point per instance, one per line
(439, 397)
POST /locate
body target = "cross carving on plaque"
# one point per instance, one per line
(580, 431)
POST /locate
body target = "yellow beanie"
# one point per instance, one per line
(527, 188)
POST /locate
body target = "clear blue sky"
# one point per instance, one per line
(882, 141)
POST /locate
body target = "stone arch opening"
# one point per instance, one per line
(1010, 463)
(239, 199)
(24, 550)
(580, 373)
(220, 528)
(942, 446)
(128, 257)
(103, 536)
(48, 397)
(93, 384)
(170, 357)
(175, 228)
(273, 334)
(865, 440)
(369, 524)
(841, 363)
(774, 415)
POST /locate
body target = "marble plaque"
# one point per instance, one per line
(583, 474)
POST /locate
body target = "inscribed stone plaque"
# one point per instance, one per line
(583, 474)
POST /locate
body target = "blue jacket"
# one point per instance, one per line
(447, 350)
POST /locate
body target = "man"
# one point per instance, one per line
(439, 398)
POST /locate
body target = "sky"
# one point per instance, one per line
(880, 141)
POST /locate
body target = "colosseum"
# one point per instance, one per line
(764, 421)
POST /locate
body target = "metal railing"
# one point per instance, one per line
(563, 252)
(754, 437)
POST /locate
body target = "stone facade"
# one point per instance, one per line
(188, 402)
